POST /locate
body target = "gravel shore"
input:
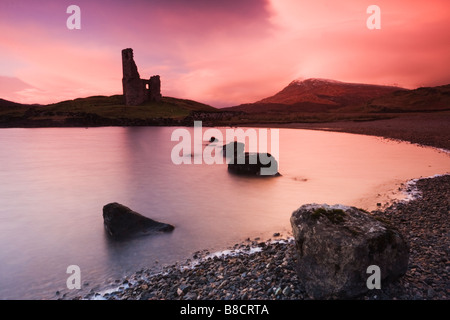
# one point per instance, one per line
(430, 129)
(264, 270)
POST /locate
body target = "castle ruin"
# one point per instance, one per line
(136, 91)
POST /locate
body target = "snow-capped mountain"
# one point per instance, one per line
(325, 91)
(317, 95)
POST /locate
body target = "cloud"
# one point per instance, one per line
(331, 40)
(12, 84)
(169, 37)
(221, 52)
(12, 87)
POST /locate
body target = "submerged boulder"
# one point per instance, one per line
(233, 149)
(122, 222)
(335, 246)
(249, 163)
(254, 164)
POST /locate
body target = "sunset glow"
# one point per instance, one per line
(221, 53)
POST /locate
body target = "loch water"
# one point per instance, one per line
(54, 183)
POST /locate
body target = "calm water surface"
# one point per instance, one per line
(55, 182)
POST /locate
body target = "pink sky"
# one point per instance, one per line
(218, 52)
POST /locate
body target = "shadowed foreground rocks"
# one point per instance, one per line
(336, 244)
(122, 222)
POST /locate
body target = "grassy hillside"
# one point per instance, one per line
(113, 107)
(98, 111)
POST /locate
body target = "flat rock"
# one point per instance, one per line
(122, 222)
(336, 244)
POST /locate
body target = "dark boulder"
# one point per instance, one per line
(233, 149)
(254, 164)
(335, 246)
(122, 222)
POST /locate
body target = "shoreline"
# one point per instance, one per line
(426, 129)
(423, 128)
(264, 270)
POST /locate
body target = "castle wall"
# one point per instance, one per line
(154, 90)
(135, 89)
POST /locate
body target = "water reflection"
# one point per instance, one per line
(55, 183)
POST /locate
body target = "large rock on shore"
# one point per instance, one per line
(122, 222)
(336, 244)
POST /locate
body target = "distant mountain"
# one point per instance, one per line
(324, 91)
(318, 95)
(423, 99)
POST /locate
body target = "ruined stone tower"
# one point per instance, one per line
(136, 91)
(154, 88)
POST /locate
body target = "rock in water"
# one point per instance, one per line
(336, 244)
(246, 163)
(122, 222)
(233, 149)
(254, 164)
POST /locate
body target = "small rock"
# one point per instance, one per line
(278, 291)
(183, 289)
(190, 296)
(287, 291)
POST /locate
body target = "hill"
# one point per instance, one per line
(99, 111)
(11, 105)
(308, 101)
(114, 107)
(425, 99)
(318, 95)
